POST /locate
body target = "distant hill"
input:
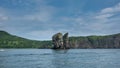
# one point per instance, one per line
(109, 41)
(11, 41)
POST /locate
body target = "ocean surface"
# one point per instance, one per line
(48, 58)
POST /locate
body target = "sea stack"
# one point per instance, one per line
(65, 41)
(60, 41)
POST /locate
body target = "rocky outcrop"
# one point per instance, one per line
(60, 41)
(57, 40)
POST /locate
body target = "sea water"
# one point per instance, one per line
(48, 58)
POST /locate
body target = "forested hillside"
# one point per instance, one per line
(10, 41)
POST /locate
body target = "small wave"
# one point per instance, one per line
(30, 54)
(33, 54)
(46, 54)
(23, 54)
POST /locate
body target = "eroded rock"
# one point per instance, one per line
(57, 40)
(65, 41)
(60, 41)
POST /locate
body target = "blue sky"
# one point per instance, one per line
(40, 19)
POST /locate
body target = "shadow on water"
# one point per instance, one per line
(60, 51)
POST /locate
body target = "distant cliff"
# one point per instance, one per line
(109, 41)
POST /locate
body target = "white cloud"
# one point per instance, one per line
(103, 16)
(108, 12)
(114, 9)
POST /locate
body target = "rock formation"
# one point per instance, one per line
(65, 41)
(57, 40)
(60, 41)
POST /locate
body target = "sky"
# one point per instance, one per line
(40, 19)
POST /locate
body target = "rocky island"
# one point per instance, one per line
(60, 41)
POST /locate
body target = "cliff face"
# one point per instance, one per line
(109, 41)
